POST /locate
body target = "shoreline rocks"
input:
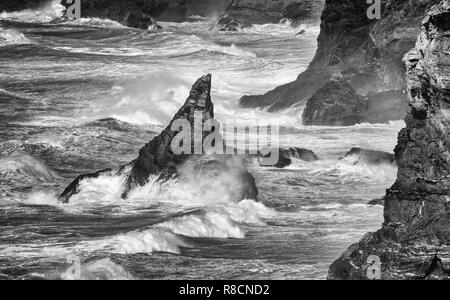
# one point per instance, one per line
(372, 157)
(366, 53)
(334, 104)
(414, 242)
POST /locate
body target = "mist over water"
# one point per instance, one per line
(81, 96)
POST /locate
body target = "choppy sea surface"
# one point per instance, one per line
(81, 96)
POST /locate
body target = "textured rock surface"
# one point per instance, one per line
(286, 156)
(334, 104)
(414, 241)
(273, 11)
(372, 157)
(227, 23)
(367, 53)
(157, 158)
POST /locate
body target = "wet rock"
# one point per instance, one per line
(141, 21)
(335, 104)
(286, 156)
(263, 12)
(414, 242)
(157, 157)
(227, 23)
(367, 53)
(301, 32)
(370, 156)
(379, 201)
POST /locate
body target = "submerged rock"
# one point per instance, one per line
(157, 158)
(414, 242)
(335, 104)
(370, 156)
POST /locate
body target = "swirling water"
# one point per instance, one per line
(80, 96)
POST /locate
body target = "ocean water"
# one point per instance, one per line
(85, 95)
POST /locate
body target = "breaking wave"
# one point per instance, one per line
(20, 165)
(47, 12)
(12, 37)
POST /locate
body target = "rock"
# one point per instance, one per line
(141, 21)
(375, 202)
(263, 11)
(414, 242)
(286, 156)
(370, 156)
(226, 23)
(334, 104)
(301, 32)
(367, 53)
(157, 158)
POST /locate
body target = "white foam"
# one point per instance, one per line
(95, 22)
(25, 166)
(12, 37)
(48, 12)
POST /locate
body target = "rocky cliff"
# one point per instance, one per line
(414, 242)
(273, 11)
(244, 11)
(367, 53)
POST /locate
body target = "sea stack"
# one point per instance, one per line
(414, 242)
(157, 158)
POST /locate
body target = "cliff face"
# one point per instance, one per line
(415, 239)
(367, 53)
(273, 11)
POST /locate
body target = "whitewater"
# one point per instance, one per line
(80, 96)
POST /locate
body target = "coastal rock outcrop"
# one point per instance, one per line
(226, 23)
(414, 242)
(273, 11)
(372, 157)
(287, 155)
(157, 158)
(366, 53)
(334, 104)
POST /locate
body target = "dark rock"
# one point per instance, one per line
(301, 32)
(334, 104)
(414, 240)
(262, 11)
(73, 188)
(286, 156)
(141, 21)
(16, 5)
(226, 23)
(367, 53)
(157, 158)
(379, 201)
(371, 156)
